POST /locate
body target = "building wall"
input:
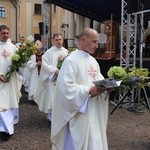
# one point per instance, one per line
(67, 23)
(28, 22)
(58, 17)
(10, 19)
(36, 18)
(23, 22)
(21, 18)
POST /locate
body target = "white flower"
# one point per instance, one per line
(15, 57)
(30, 39)
(148, 84)
(24, 44)
(38, 44)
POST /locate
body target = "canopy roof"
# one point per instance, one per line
(99, 10)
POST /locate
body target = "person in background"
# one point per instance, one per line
(44, 95)
(21, 42)
(34, 66)
(9, 91)
(80, 109)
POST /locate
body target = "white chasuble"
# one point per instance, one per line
(87, 129)
(33, 69)
(9, 91)
(44, 94)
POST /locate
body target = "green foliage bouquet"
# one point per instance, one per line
(130, 77)
(21, 57)
(117, 73)
(142, 75)
(59, 64)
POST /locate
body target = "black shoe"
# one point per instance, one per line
(49, 123)
(32, 102)
(5, 136)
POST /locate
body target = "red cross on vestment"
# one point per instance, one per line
(5, 54)
(92, 72)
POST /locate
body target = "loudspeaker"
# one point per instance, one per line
(41, 27)
(66, 43)
(132, 6)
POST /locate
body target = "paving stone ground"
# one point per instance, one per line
(126, 130)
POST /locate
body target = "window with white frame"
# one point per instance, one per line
(2, 12)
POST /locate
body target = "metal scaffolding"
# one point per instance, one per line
(128, 37)
(130, 23)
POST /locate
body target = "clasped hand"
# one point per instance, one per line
(2, 78)
(95, 90)
(39, 63)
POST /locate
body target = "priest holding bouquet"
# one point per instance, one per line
(80, 109)
(44, 93)
(9, 90)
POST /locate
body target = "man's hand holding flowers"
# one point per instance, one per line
(59, 64)
(2, 78)
(21, 57)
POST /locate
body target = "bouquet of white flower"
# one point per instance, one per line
(21, 57)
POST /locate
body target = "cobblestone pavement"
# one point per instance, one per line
(126, 130)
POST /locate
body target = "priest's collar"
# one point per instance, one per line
(84, 52)
(57, 48)
(1, 42)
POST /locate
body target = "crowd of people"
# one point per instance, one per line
(76, 108)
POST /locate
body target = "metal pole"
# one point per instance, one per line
(144, 11)
(141, 42)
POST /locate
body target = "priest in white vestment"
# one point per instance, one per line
(44, 95)
(34, 66)
(80, 109)
(9, 91)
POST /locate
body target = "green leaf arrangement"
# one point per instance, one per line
(130, 77)
(20, 58)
